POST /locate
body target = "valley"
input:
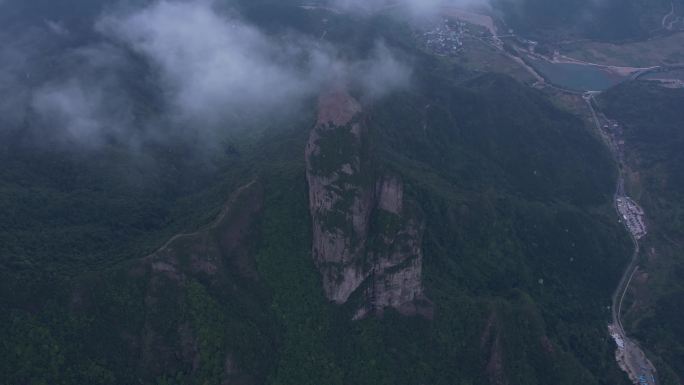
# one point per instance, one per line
(557, 68)
(575, 76)
(361, 192)
(629, 354)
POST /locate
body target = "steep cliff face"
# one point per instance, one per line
(339, 201)
(397, 228)
(363, 233)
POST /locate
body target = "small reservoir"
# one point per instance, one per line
(575, 76)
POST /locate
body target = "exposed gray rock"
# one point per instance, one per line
(391, 193)
(339, 208)
(397, 254)
(350, 206)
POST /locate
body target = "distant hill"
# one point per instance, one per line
(571, 19)
(472, 216)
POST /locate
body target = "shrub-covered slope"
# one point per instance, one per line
(651, 116)
(521, 255)
(520, 250)
(602, 20)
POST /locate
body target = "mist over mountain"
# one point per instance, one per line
(340, 192)
(207, 79)
(200, 63)
(598, 19)
(414, 7)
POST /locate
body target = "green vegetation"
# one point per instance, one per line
(521, 254)
(604, 20)
(652, 117)
(521, 249)
(285, 262)
(338, 146)
(516, 198)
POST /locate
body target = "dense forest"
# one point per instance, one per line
(652, 117)
(610, 20)
(519, 243)
(182, 260)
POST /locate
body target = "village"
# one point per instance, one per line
(632, 216)
(445, 39)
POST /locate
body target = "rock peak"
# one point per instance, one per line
(350, 203)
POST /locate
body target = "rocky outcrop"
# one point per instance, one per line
(366, 237)
(218, 255)
(340, 205)
(490, 343)
(397, 230)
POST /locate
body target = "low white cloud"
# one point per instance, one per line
(203, 66)
(211, 64)
(416, 8)
(74, 107)
(207, 63)
(12, 91)
(85, 102)
(381, 73)
(56, 27)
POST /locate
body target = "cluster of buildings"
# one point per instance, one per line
(614, 128)
(644, 381)
(617, 337)
(615, 133)
(669, 83)
(446, 38)
(632, 215)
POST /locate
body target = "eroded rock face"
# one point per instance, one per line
(363, 232)
(340, 205)
(397, 255)
(391, 197)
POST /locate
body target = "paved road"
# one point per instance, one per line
(669, 19)
(630, 356)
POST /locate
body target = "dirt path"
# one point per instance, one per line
(224, 211)
(668, 26)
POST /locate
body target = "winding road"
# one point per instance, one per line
(669, 19)
(219, 218)
(629, 355)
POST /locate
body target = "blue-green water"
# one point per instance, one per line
(576, 77)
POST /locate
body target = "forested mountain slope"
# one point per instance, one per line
(474, 215)
(518, 243)
(654, 139)
(602, 20)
